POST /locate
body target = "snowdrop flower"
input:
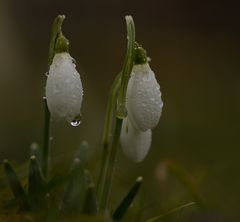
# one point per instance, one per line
(143, 100)
(64, 90)
(135, 143)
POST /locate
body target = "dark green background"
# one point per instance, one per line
(194, 46)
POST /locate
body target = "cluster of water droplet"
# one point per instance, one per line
(144, 106)
(144, 103)
(64, 90)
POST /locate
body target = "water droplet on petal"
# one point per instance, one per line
(76, 121)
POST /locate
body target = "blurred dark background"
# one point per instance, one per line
(195, 52)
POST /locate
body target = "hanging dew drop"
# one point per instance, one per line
(76, 121)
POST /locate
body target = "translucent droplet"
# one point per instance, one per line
(76, 121)
(44, 97)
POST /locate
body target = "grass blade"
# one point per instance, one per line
(16, 186)
(127, 201)
(170, 212)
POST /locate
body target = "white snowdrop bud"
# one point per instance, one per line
(135, 143)
(64, 90)
(143, 100)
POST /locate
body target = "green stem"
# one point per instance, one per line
(107, 131)
(110, 166)
(111, 155)
(46, 141)
(56, 30)
(56, 39)
(127, 68)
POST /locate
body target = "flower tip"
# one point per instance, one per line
(129, 20)
(135, 144)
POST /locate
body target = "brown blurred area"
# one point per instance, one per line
(195, 52)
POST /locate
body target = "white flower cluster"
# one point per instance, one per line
(64, 91)
(144, 106)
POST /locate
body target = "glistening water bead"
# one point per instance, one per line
(76, 121)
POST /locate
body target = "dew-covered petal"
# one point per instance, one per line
(135, 143)
(64, 90)
(144, 103)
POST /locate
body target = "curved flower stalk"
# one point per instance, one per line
(143, 101)
(135, 143)
(64, 91)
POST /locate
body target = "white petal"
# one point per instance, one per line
(144, 103)
(135, 144)
(64, 90)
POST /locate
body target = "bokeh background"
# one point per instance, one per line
(195, 52)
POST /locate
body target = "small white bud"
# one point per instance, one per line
(64, 90)
(135, 143)
(143, 100)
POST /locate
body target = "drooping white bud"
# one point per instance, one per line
(64, 90)
(135, 143)
(143, 100)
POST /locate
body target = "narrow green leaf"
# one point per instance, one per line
(107, 132)
(90, 203)
(83, 152)
(35, 179)
(35, 183)
(127, 201)
(52, 208)
(170, 212)
(35, 151)
(16, 186)
(60, 179)
(75, 190)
